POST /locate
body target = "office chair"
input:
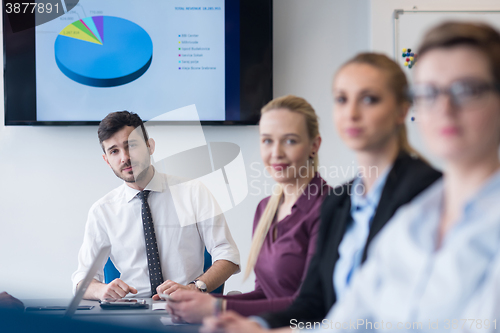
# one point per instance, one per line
(208, 263)
(111, 273)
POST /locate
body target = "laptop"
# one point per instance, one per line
(101, 258)
(73, 305)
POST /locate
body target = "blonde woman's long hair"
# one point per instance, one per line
(293, 104)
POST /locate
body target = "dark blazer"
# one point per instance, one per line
(408, 177)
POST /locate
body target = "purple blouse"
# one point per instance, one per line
(282, 264)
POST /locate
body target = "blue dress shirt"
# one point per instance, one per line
(409, 279)
(363, 208)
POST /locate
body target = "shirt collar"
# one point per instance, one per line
(427, 208)
(485, 197)
(361, 199)
(154, 185)
(311, 191)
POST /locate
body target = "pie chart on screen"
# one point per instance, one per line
(103, 51)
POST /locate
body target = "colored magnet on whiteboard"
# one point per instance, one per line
(406, 64)
(404, 55)
(411, 58)
(407, 59)
(409, 66)
(409, 50)
(412, 118)
(404, 50)
(412, 54)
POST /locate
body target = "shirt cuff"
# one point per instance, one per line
(234, 259)
(77, 278)
(260, 321)
(80, 276)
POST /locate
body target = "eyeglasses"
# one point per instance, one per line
(463, 94)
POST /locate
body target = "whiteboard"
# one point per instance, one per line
(410, 27)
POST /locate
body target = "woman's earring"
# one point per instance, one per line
(312, 159)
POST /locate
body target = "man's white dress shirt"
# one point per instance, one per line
(408, 279)
(186, 217)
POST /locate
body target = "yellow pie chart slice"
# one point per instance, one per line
(74, 32)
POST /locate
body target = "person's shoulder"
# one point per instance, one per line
(263, 203)
(413, 213)
(411, 175)
(172, 179)
(318, 187)
(188, 183)
(113, 197)
(336, 197)
(261, 206)
(338, 193)
(193, 193)
(416, 166)
(428, 197)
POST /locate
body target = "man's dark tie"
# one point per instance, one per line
(155, 275)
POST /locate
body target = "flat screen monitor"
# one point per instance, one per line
(147, 56)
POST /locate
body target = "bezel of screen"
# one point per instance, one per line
(248, 74)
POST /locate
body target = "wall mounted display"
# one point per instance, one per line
(149, 57)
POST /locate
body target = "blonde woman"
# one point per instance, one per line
(371, 102)
(285, 224)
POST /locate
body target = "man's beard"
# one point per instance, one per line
(132, 178)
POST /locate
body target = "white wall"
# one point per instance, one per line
(382, 40)
(382, 19)
(50, 176)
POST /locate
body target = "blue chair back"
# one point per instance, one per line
(111, 273)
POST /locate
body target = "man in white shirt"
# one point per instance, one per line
(157, 225)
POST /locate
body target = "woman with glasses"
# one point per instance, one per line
(436, 265)
(370, 105)
(434, 259)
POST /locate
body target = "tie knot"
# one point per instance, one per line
(143, 195)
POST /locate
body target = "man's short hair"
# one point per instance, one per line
(115, 121)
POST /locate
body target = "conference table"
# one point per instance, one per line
(143, 319)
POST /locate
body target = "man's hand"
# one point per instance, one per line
(7, 301)
(116, 289)
(170, 286)
(191, 306)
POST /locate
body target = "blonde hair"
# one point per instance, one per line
(293, 104)
(398, 84)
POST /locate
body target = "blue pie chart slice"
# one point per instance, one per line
(124, 55)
